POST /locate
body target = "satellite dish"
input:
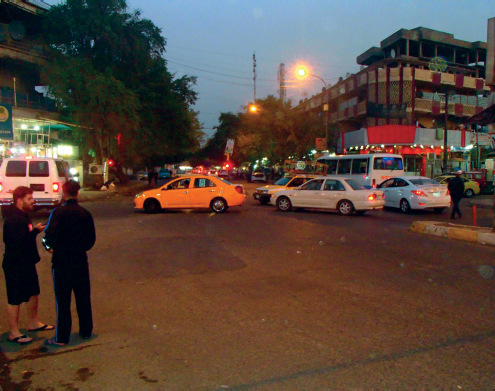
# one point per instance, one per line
(392, 53)
(17, 31)
(347, 75)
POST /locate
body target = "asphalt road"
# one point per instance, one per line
(256, 298)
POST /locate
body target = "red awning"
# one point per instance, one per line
(484, 117)
(391, 134)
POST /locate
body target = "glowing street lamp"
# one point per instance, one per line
(252, 109)
(302, 72)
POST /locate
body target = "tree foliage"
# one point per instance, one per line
(275, 131)
(107, 71)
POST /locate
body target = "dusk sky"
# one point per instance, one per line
(215, 40)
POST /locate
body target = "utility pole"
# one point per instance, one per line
(254, 76)
(281, 79)
(445, 132)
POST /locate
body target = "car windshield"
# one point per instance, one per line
(223, 180)
(423, 181)
(354, 185)
(282, 181)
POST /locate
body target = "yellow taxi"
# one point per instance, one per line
(191, 192)
(471, 187)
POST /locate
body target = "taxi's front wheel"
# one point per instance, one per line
(151, 206)
(218, 205)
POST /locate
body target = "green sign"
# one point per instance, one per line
(6, 129)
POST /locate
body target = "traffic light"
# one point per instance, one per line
(110, 162)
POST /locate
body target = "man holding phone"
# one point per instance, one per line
(19, 265)
(70, 233)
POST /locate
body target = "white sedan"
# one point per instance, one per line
(415, 192)
(328, 192)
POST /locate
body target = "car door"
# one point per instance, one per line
(388, 189)
(202, 192)
(333, 191)
(176, 194)
(399, 191)
(308, 194)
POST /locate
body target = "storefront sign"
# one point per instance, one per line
(484, 139)
(6, 128)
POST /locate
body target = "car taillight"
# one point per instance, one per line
(55, 187)
(374, 183)
(372, 197)
(239, 189)
(419, 193)
(448, 192)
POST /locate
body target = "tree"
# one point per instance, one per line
(106, 70)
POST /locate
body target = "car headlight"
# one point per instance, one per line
(265, 191)
(138, 195)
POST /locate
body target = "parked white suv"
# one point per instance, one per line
(44, 176)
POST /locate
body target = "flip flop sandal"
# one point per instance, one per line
(45, 327)
(18, 340)
(52, 342)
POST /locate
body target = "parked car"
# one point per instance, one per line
(191, 192)
(223, 174)
(45, 176)
(142, 175)
(258, 177)
(263, 194)
(415, 192)
(343, 194)
(212, 173)
(477, 176)
(471, 187)
(164, 173)
(199, 170)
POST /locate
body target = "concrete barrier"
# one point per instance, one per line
(455, 231)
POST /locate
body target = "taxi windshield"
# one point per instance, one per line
(282, 181)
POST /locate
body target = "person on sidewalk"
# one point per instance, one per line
(19, 265)
(456, 188)
(70, 233)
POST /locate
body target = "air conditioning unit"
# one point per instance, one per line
(431, 156)
(96, 169)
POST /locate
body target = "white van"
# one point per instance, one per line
(44, 176)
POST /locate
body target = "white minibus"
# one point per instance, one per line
(369, 170)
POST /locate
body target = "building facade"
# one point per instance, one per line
(418, 83)
(35, 118)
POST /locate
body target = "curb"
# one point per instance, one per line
(455, 231)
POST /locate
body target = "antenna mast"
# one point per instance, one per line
(254, 76)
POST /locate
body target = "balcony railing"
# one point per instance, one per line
(28, 101)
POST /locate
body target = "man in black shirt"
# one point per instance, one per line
(69, 234)
(456, 189)
(19, 265)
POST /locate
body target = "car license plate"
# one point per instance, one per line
(436, 194)
(257, 196)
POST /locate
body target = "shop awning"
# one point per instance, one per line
(485, 117)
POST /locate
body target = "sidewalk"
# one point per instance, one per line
(128, 189)
(467, 233)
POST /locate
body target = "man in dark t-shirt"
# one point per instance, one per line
(19, 265)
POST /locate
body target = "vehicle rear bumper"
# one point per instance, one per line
(37, 202)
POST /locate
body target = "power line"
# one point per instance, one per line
(220, 81)
(215, 73)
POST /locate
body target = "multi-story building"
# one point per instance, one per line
(397, 101)
(34, 116)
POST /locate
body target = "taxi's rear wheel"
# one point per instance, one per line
(151, 206)
(284, 204)
(218, 205)
(345, 208)
(469, 193)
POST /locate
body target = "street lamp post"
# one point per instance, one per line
(301, 72)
